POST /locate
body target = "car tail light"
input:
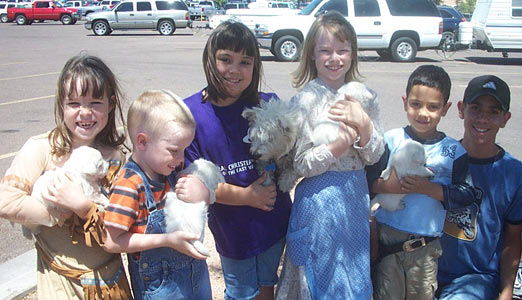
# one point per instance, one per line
(464, 19)
(202, 9)
(112, 5)
(440, 27)
(186, 16)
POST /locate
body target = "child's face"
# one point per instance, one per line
(163, 154)
(425, 107)
(85, 117)
(236, 68)
(482, 120)
(333, 58)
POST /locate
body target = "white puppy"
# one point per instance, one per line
(272, 134)
(87, 166)
(326, 130)
(408, 160)
(192, 217)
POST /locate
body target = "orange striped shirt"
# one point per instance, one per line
(127, 209)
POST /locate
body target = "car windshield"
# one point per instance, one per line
(58, 4)
(308, 9)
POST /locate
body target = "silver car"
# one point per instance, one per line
(162, 15)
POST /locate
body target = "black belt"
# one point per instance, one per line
(412, 244)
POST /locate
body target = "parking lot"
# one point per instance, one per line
(32, 57)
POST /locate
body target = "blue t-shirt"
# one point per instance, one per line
(473, 244)
(240, 232)
(423, 215)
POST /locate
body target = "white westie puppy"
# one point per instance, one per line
(192, 217)
(274, 126)
(326, 130)
(408, 160)
(87, 166)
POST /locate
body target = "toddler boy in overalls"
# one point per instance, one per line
(161, 265)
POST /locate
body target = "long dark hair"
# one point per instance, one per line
(234, 36)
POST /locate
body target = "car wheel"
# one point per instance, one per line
(21, 20)
(384, 53)
(101, 27)
(287, 48)
(66, 19)
(166, 27)
(403, 49)
(3, 18)
(448, 41)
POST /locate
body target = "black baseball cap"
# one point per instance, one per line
(488, 85)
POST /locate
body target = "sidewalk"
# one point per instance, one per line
(18, 276)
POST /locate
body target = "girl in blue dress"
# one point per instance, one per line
(328, 238)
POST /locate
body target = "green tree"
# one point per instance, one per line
(466, 6)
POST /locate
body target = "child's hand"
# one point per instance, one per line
(422, 185)
(261, 197)
(181, 241)
(351, 113)
(67, 193)
(190, 189)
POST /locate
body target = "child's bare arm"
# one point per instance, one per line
(191, 189)
(392, 185)
(255, 195)
(422, 185)
(120, 241)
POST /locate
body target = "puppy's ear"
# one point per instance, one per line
(249, 114)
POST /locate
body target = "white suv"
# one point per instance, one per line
(162, 15)
(396, 29)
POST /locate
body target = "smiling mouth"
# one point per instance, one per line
(232, 80)
(85, 125)
(480, 130)
(336, 68)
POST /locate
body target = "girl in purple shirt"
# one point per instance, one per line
(248, 220)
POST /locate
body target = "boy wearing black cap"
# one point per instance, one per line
(481, 244)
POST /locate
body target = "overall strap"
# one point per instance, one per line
(172, 180)
(149, 199)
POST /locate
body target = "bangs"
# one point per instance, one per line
(237, 40)
(83, 81)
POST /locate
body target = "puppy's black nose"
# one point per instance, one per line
(256, 155)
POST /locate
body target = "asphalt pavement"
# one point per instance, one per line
(32, 57)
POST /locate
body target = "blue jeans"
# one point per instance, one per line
(243, 277)
(164, 273)
(470, 287)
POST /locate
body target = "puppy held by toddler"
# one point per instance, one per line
(192, 217)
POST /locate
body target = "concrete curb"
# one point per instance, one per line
(18, 276)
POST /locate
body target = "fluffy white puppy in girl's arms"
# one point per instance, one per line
(87, 166)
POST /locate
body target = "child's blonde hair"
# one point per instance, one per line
(336, 24)
(91, 74)
(153, 110)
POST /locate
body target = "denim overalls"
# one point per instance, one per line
(164, 273)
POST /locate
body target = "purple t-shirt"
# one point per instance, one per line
(240, 232)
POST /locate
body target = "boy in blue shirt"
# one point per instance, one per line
(482, 241)
(409, 237)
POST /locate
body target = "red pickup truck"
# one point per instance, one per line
(42, 10)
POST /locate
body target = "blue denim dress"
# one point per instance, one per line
(164, 273)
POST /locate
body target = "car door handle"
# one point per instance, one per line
(148, 15)
(377, 23)
(132, 15)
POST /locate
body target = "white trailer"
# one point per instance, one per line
(497, 25)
